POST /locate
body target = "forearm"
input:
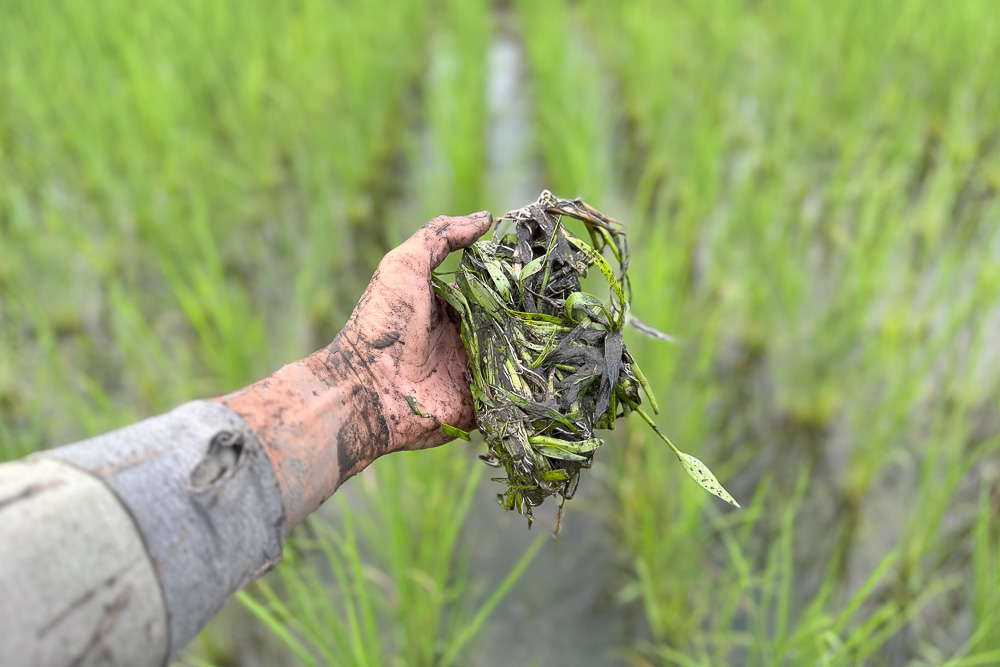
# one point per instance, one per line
(320, 421)
(119, 549)
(145, 532)
(325, 418)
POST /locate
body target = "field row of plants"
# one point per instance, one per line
(192, 194)
(815, 187)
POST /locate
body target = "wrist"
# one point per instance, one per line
(320, 422)
(357, 393)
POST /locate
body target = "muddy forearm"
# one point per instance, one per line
(320, 420)
(151, 528)
(125, 545)
(326, 417)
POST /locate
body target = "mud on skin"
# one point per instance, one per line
(326, 417)
(365, 438)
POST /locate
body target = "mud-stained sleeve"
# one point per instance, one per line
(204, 497)
(76, 584)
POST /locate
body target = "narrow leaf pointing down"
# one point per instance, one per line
(700, 473)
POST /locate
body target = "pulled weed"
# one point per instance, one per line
(548, 362)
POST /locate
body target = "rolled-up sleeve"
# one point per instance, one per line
(118, 549)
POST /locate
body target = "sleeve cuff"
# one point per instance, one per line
(205, 498)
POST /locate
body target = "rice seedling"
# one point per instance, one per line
(816, 256)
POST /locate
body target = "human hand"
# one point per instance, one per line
(326, 417)
(405, 341)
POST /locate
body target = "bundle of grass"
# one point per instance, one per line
(548, 363)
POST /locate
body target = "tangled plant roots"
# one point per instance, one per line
(548, 364)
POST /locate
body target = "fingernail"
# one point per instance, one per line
(480, 215)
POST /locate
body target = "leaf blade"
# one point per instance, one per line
(700, 473)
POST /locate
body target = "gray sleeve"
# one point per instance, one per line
(76, 585)
(203, 496)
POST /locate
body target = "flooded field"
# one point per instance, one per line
(193, 194)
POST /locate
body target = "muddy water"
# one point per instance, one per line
(514, 170)
(562, 610)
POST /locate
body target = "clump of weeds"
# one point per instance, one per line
(548, 362)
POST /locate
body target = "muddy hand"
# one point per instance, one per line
(407, 339)
(328, 416)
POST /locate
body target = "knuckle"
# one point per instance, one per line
(433, 224)
(403, 260)
(393, 259)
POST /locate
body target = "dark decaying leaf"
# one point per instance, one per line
(548, 362)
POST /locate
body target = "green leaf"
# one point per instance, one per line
(454, 432)
(275, 623)
(537, 317)
(605, 269)
(549, 346)
(548, 413)
(532, 267)
(469, 631)
(478, 291)
(564, 449)
(590, 305)
(413, 406)
(700, 473)
(588, 445)
(451, 294)
(557, 475)
(500, 282)
(559, 453)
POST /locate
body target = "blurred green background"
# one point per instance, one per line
(194, 193)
